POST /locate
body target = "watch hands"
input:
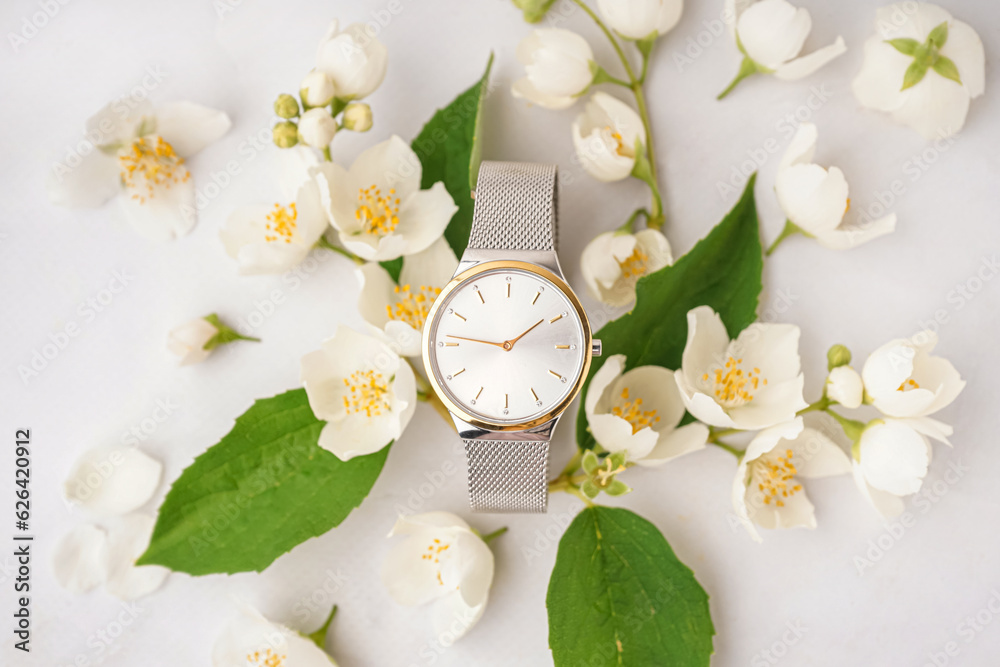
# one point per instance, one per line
(474, 340)
(509, 344)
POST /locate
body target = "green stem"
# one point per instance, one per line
(573, 465)
(489, 537)
(791, 229)
(323, 243)
(579, 494)
(635, 83)
(319, 637)
(732, 450)
(747, 67)
(852, 428)
(821, 405)
(629, 226)
(326, 154)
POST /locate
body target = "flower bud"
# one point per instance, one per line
(837, 355)
(534, 10)
(285, 134)
(844, 386)
(358, 117)
(317, 128)
(286, 106)
(317, 89)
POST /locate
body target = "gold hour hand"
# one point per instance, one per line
(473, 340)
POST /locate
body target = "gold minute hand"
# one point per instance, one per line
(473, 340)
(509, 344)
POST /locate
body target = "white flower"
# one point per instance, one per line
(362, 389)
(750, 383)
(317, 89)
(607, 135)
(250, 640)
(399, 310)
(935, 105)
(815, 199)
(187, 342)
(110, 481)
(844, 385)
(639, 19)
(637, 413)
(274, 239)
(767, 492)
(903, 379)
(87, 556)
(770, 34)
(353, 59)
(378, 207)
(892, 458)
(317, 128)
(358, 117)
(559, 67)
(442, 561)
(614, 261)
(132, 151)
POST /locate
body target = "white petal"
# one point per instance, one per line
(887, 504)
(126, 542)
(812, 197)
(773, 31)
(187, 342)
(190, 127)
(452, 618)
(704, 408)
(802, 67)
(431, 267)
(109, 481)
(615, 435)
(797, 512)
(524, 89)
(377, 292)
(249, 633)
(89, 181)
(423, 217)
(391, 164)
(849, 236)
(79, 559)
(609, 371)
(894, 457)
(878, 84)
(932, 428)
(774, 348)
(706, 344)
(166, 215)
(557, 61)
(354, 59)
(338, 196)
(776, 403)
(119, 121)
(966, 50)
(654, 385)
(678, 442)
(815, 455)
(802, 147)
(769, 438)
(936, 107)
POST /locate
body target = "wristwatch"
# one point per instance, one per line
(507, 344)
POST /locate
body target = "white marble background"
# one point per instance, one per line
(904, 608)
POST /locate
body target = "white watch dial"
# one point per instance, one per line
(507, 346)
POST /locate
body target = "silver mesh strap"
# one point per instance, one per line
(508, 475)
(517, 207)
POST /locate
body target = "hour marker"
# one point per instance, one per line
(457, 373)
(537, 294)
(505, 401)
(508, 290)
(459, 316)
(562, 347)
(479, 392)
(451, 344)
(480, 296)
(557, 317)
(556, 374)
(533, 393)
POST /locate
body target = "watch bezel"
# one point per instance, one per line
(567, 291)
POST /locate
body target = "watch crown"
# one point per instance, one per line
(595, 348)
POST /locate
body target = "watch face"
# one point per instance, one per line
(507, 346)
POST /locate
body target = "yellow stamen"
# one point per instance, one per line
(776, 475)
(265, 658)
(412, 305)
(378, 213)
(734, 386)
(368, 392)
(281, 223)
(150, 163)
(632, 412)
(908, 384)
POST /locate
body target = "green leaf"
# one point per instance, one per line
(619, 596)
(914, 74)
(394, 267)
(264, 488)
(939, 35)
(723, 271)
(946, 67)
(904, 45)
(534, 10)
(450, 147)
(224, 334)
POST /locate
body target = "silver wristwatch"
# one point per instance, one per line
(507, 344)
